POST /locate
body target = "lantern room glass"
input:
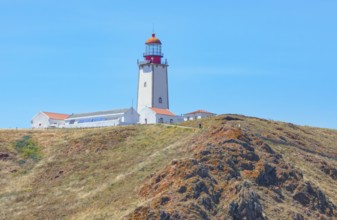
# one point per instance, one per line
(153, 49)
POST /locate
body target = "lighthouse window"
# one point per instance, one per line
(160, 100)
(145, 84)
(153, 49)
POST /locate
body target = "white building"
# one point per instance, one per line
(116, 117)
(197, 115)
(153, 97)
(48, 120)
(157, 115)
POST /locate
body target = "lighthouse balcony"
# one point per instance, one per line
(144, 62)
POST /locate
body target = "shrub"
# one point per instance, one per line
(28, 148)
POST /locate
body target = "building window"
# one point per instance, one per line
(145, 84)
(161, 120)
(160, 100)
(171, 121)
(145, 120)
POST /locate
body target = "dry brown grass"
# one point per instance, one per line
(84, 174)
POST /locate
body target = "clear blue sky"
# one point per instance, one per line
(269, 59)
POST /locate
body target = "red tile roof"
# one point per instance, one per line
(162, 111)
(56, 116)
(199, 111)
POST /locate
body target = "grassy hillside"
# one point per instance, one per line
(221, 171)
(81, 174)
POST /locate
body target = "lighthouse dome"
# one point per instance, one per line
(153, 40)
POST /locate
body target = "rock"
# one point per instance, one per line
(200, 213)
(332, 172)
(164, 216)
(267, 176)
(216, 196)
(251, 156)
(182, 189)
(200, 187)
(246, 207)
(314, 198)
(206, 202)
(164, 200)
(202, 171)
(246, 166)
(298, 216)
(247, 147)
(290, 187)
(302, 198)
(205, 152)
(4, 156)
(268, 149)
(230, 118)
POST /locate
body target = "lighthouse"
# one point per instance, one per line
(153, 97)
(152, 77)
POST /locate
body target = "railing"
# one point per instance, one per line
(164, 62)
(153, 54)
(148, 62)
(143, 62)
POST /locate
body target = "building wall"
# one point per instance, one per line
(56, 123)
(123, 118)
(40, 120)
(147, 116)
(160, 86)
(131, 117)
(166, 119)
(145, 82)
(154, 76)
(107, 123)
(190, 117)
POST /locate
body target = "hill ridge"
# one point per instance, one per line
(234, 167)
(189, 190)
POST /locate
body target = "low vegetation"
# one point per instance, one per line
(27, 148)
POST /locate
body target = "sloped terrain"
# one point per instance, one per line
(235, 167)
(247, 168)
(83, 174)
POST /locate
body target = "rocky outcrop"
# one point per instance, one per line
(313, 198)
(247, 206)
(225, 178)
(329, 170)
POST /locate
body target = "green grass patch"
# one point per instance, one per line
(28, 148)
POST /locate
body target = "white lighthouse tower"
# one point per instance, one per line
(153, 84)
(152, 81)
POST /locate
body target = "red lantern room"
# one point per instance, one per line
(153, 50)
